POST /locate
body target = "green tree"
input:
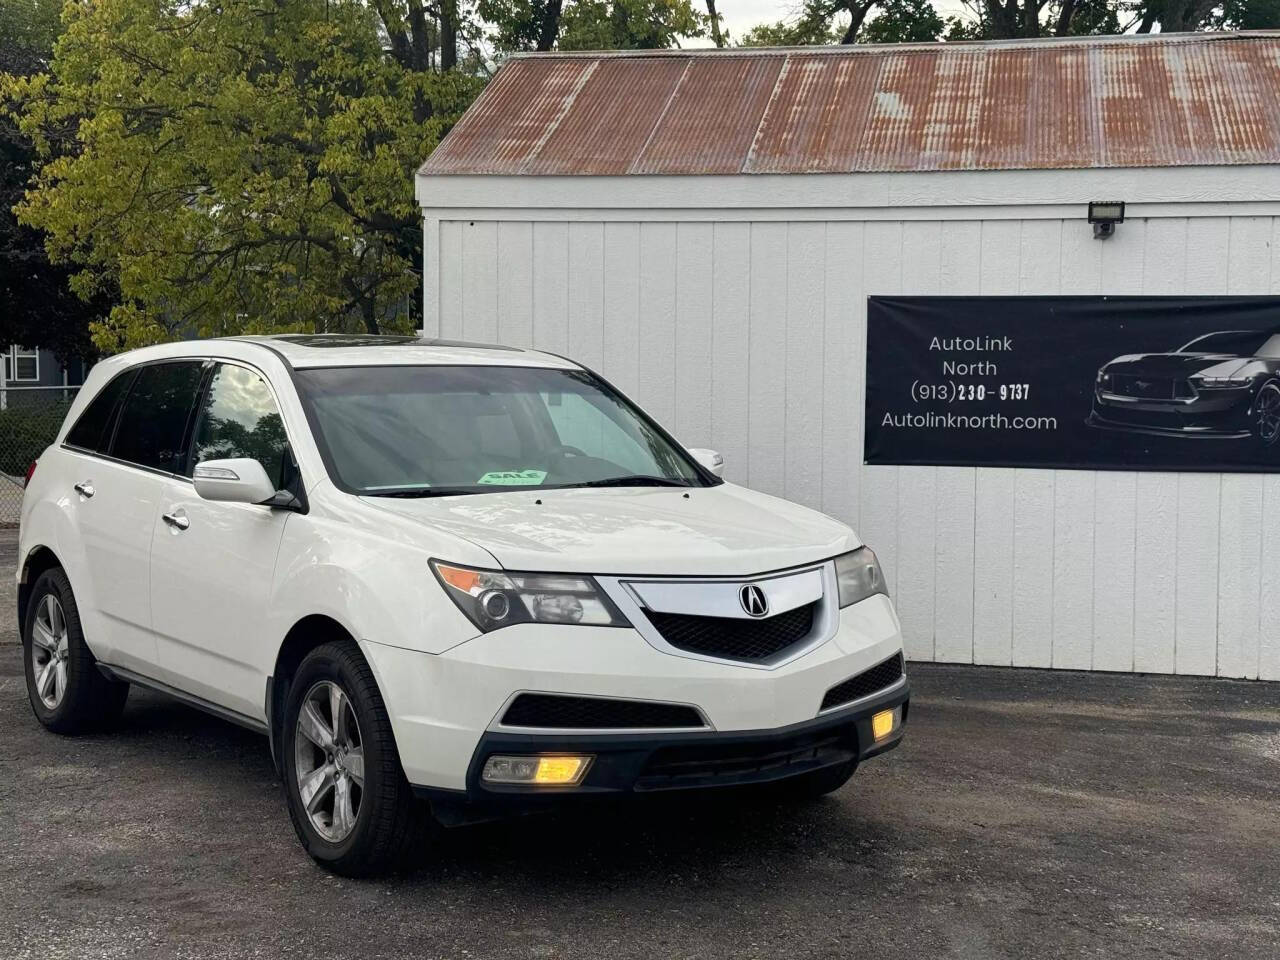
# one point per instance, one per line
(516, 25)
(37, 308)
(240, 167)
(886, 21)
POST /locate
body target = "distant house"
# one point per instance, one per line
(37, 367)
(26, 367)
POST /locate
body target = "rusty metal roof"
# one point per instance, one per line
(1150, 101)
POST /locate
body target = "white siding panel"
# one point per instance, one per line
(1033, 568)
(1195, 639)
(1032, 619)
(1200, 496)
(1002, 253)
(480, 281)
(878, 495)
(695, 261)
(959, 273)
(1240, 532)
(730, 346)
(1074, 491)
(843, 386)
(657, 361)
(766, 414)
(515, 284)
(1115, 496)
(551, 287)
(1269, 591)
(918, 486)
(806, 297)
(1269, 568)
(623, 324)
(450, 278)
(586, 294)
(1156, 505)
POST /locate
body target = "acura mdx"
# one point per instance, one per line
(449, 582)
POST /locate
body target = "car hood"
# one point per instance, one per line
(723, 530)
(1173, 364)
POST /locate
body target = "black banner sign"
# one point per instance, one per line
(1129, 383)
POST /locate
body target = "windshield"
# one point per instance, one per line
(1236, 343)
(437, 430)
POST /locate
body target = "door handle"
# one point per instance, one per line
(85, 489)
(177, 520)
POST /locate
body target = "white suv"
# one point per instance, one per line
(471, 575)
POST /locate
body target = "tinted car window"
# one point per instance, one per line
(155, 415)
(239, 418)
(92, 430)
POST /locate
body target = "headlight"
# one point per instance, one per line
(493, 599)
(858, 576)
(1219, 383)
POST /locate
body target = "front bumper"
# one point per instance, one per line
(647, 763)
(1220, 415)
(442, 706)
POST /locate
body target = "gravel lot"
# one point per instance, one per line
(1028, 815)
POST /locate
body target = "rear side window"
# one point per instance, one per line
(93, 430)
(239, 418)
(153, 422)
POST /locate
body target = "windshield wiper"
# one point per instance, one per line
(632, 480)
(421, 492)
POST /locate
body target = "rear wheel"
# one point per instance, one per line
(67, 691)
(348, 798)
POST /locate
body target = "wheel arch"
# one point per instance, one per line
(306, 634)
(37, 560)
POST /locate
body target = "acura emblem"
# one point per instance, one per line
(753, 600)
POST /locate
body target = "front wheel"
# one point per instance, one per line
(1266, 415)
(68, 693)
(348, 798)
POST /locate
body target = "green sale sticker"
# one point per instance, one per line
(514, 478)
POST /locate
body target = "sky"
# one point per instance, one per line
(741, 15)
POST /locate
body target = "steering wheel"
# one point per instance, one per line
(570, 450)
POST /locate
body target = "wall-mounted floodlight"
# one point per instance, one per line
(1104, 215)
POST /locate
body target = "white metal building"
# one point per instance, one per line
(704, 228)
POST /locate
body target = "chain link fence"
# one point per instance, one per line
(29, 420)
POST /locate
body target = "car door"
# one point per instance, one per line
(122, 449)
(212, 563)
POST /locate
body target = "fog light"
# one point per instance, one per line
(885, 722)
(561, 770)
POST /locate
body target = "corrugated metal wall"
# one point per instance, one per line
(750, 338)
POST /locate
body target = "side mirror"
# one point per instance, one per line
(709, 459)
(239, 480)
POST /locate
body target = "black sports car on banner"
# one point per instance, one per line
(1224, 385)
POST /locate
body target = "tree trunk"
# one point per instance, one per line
(857, 14)
(717, 36)
(448, 34)
(549, 28)
(1002, 19)
(1063, 26)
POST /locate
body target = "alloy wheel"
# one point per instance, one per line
(1269, 414)
(49, 651)
(329, 761)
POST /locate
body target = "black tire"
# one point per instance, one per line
(1265, 423)
(390, 823)
(87, 702)
(811, 786)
